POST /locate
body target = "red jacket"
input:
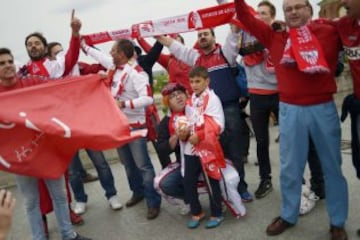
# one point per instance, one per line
(296, 87)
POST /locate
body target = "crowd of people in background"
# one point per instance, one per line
(289, 68)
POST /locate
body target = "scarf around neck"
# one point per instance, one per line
(303, 48)
(37, 68)
(117, 85)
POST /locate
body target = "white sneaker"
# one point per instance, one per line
(80, 208)
(115, 203)
(308, 201)
(184, 209)
(305, 190)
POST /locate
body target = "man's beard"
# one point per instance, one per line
(37, 57)
(204, 45)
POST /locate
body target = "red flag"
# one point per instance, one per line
(210, 150)
(41, 127)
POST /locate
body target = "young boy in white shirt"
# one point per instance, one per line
(200, 147)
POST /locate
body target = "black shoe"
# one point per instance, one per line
(153, 213)
(338, 233)
(358, 232)
(133, 201)
(264, 188)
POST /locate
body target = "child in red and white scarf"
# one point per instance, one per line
(200, 147)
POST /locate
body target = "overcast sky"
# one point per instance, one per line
(52, 18)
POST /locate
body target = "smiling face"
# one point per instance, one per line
(296, 12)
(7, 70)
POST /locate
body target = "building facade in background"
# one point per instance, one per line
(331, 9)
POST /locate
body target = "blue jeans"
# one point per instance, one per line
(28, 187)
(172, 184)
(230, 140)
(321, 123)
(140, 171)
(104, 172)
(79, 167)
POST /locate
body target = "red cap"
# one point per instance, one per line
(172, 87)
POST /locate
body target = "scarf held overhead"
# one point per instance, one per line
(195, 20)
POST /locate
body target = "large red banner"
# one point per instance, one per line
(41, 127)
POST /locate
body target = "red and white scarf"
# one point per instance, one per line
(37, 68)
(303, 48)
(191, 21)
(199, 105)
(269, 64)
(117, 85)
(172, 121)
(209, 149)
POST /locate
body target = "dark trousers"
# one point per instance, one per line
(193, 169)
(317, 178)
(163, 156)
(230, 141)
(260, 108)
(245, 135)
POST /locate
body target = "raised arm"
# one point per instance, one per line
(256, 27)
(231, 47)
(181, 52)
(152, 56)
(64, 63)
(104, 59)
(72, 55)
(163, 59)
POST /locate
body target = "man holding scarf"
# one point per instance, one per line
(305, 72)
(349, 30)
(131, 89)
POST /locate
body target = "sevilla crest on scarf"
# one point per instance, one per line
(311, 56)
(303, 48)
